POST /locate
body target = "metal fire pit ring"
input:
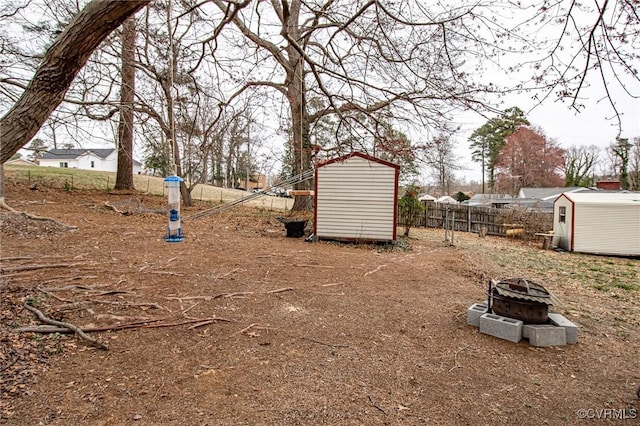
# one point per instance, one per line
(520, 299)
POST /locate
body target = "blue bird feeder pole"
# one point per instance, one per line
(174, 231)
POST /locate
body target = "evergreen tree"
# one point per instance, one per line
(488, 140)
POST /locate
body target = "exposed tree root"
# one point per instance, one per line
(5, 206)
(66, 325)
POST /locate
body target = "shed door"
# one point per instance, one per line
(562, 224)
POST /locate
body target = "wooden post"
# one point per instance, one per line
(453, 225)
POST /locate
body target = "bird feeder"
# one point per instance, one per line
(174, 231)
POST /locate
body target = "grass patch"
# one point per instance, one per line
(77, 179)
(626, 286)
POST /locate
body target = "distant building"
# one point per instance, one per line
(426, 197)
(105, 160)
(489, 200)
(446, 199)
(20, 162)
(548, 194)
(612, 185)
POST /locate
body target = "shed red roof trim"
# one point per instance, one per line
(358, 154)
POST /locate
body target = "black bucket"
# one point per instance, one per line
(295, 228)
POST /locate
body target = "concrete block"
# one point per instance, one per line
(502, 327)
(572, 329)
(544, 334)
(474, 313)
(527, 329)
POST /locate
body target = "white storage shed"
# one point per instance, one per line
(598, 223)
(356, 199)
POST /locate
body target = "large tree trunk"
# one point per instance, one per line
(68, 54)
(300, 132)
(124, 175)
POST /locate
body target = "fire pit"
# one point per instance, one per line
(520, 299)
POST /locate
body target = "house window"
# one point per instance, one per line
(562, 214)
(64, 164)
(93, 164)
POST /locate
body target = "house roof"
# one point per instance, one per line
(21, 162)
(358, 154)
(548, 193)
(426, 197)
(597, 197)
(446, 199)
(489, 197)
(69, 154)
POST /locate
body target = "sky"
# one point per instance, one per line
(568, 128)
(593, 125)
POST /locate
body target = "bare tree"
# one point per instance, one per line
(622, 149)
(353, 61)
(593, 40)
(58, 68)
(579, 165)
(439, 156)
(361, 63)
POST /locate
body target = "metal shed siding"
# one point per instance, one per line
(613, 229)
(355, 198)
(602, 223)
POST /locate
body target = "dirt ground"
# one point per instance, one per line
(240, 325)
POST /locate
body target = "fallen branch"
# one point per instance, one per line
(72, 287)
(71, 327)
(7, 259)
(375, 270)
(200, 324)
(190, 308)
(177, 274)
(250, 326)
(34, 267)
(280, 290)
(45, 329)
(192, 321)
(238, 294)
(64, 279)
(307, 265)
(106, 293)
(227, 274)
(375, 404)
(60, 299)
(180, 299)
(75, 304)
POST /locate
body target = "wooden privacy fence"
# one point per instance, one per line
(517, 221)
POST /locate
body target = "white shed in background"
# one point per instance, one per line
(599, 223)
(356, 198)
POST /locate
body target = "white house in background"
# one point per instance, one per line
(598, 223)
(105, 160)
